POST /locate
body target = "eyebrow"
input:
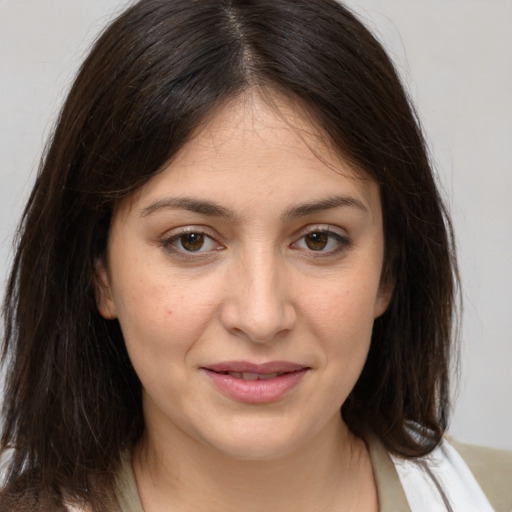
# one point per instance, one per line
(212, 209)
(187, 203)
(329, 203)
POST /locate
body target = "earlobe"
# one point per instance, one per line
(103, 291)
(385, 294)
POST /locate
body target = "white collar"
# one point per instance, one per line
(440, 482)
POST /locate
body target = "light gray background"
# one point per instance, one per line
(456, 59)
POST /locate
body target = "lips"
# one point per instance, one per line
(253, 376)
(255, 383)
(248, 367)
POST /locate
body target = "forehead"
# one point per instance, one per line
(265, 124)
(260, 151)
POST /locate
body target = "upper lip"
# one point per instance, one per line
(248, 367)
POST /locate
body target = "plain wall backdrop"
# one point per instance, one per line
(455, 57)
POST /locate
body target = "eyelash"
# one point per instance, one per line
(342, 242)
(168, 243)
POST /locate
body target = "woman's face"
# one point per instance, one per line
(246, 280)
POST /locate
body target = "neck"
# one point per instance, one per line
(331, 472)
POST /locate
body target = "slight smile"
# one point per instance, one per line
(255, 383)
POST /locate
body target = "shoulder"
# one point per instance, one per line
(126, 492)
(29, 501)
(492, 468)
(26, 494)
(470, 480)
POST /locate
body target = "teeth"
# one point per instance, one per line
(267, 376)
(253, 376)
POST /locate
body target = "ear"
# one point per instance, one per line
(103, 290)
(384, 295)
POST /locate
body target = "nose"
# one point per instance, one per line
(259, 305)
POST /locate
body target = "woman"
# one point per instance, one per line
(234, 236)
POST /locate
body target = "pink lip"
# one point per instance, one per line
(255, 391)
(246, 366)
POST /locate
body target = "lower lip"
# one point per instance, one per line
(256, 391)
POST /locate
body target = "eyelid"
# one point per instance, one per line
(167, 240)
(339, 234)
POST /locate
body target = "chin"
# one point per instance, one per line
(256, 444)
(255, 451)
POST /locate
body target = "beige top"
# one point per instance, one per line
(492, 469)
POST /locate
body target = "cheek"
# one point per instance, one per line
(345, 304)
(342, 318)
(162, 315)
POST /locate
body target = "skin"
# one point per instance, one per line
(270, 281)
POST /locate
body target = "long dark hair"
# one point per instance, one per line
(73, 401)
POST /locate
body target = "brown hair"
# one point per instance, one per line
(73, 401)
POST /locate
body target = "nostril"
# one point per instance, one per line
(258, 307)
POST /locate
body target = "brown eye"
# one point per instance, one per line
(192, 241)
(188, 243)
(322, 242)
(317, 241)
